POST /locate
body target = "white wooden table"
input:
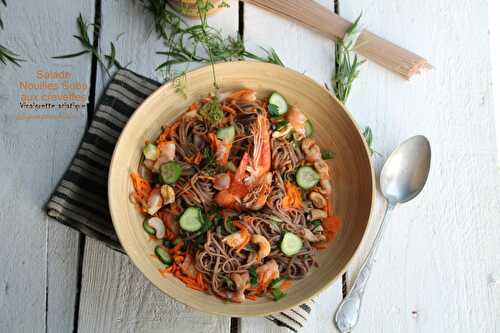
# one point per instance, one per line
(438, 269)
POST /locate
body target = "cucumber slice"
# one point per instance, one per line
(277, 294)
(306, 177)
(226, 134)
(163, 255)
(150, 151)
(191, 220)
(309, 128)
(280, 104)
(170, 172)
(149, 229)
(291, 244)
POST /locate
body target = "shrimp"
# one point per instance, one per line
(222, 150)
(322, 169)
(317, 199)
(231, 197)
(234, 296)
(267, 272)
(167, 153)
(187, 266)
(243, 96)
(257, 184)
(155, 201)
(238, 240)
(241, 282)
(311, 150)
(257, 198)
(222, 181)
(260, 163)
(312, 153)
(264, 246)
(297, 120)
(310, 236)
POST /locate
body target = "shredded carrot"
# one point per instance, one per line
(194, 106)
(175, 209)
(292, 198)
(178, 259)
(198, 158)
(184, 278)
(213, 140)
(167, 270)
(195, 287)
(327, 207)
(167, 133)
(251, 297)
(199, 280)
(331, 225)
(285, 284)
(177, 248)
(141, 186)
(229, 110)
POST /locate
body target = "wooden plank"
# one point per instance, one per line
(115, 296)
(307, 52)
(39, 256)
(435, 265)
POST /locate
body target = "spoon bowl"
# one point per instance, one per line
(405, 172)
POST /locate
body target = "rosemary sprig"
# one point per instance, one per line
(271, 57)
(7, 55)
(347, 63)
(4, 2)
(83, 37)
(185, 44)
(347, 70)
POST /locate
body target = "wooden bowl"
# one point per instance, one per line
(335, 130)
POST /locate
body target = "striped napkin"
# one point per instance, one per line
(80, 200)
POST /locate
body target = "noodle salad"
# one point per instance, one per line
(236, 194)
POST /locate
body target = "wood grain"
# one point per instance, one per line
(137, 45)
(39, 256)
(333, 26)
(439, 255)
(116, 297)
(307, 52)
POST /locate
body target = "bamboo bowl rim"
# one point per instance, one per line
(124, 215)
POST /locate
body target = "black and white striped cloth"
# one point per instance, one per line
(80, 199)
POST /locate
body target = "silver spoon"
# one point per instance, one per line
(402, 178)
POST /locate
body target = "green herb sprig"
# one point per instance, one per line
(88, 47)
(209, 164)
(271, 57)
(347, 70)
(7, 55)
(346, 63)
(185, 44)
(4, 2)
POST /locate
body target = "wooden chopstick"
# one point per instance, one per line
(318, 18)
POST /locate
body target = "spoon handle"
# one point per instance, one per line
(347, 313)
